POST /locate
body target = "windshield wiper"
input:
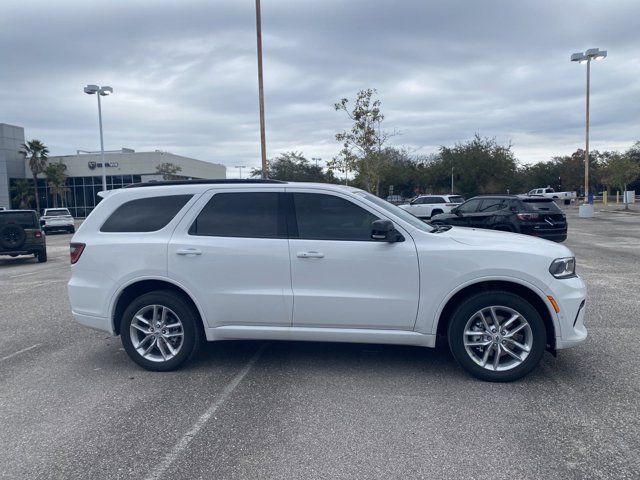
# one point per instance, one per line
(441, 228)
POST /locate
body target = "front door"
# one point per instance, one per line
(342, 278)
(231, 251)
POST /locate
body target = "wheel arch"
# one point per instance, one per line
(140, 286)
(535, 298)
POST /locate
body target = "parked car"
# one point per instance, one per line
(57, 219)
(169, 265)
(537, 216)
(425, 206)
(549, 192)
(20, 234)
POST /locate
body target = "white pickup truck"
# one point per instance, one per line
(57, 219)
(549, 192)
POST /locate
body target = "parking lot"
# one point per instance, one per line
(72, 405)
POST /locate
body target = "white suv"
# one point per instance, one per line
(168, 265)
(426, 206)
(57, 219)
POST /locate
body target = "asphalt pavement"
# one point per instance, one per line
(72, 405)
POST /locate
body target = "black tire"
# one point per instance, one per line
(437, 211)
(12, 237)
(72, 229)
(503, 228)
(474, 304)
(42, 255)
(191, 326)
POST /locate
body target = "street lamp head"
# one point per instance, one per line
(104, 91)
(596, 53)
(91, 89)
(576, 57)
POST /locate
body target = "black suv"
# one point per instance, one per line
(536, 216)
(20, 234)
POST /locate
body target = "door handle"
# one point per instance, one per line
(188, 251)
(310, 255)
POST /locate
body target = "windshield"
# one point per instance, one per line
(541, 205)
(58, 211)
(397, 211)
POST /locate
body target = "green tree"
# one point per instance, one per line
(37, 154)
(480, 166)
(362, 145)
(169, 171)
(295, 167)
(22, 193)
(57, 179)
(619, 171)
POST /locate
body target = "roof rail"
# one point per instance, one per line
(200, 181)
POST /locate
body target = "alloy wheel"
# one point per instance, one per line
(498, 338)
(157, 333)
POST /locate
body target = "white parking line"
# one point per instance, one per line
(184, 442)
(20, 351)
(33, 273)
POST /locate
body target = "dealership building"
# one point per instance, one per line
(84, 172)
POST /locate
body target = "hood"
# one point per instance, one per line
(507, 241)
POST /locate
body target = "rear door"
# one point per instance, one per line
(231, 251)
(341, 277)
(488, 213)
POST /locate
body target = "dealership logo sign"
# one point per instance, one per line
(94, 165)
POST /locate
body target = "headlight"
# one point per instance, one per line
(563, 267)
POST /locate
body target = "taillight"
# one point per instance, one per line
(76, 249)
(37, 234)
(527, 216)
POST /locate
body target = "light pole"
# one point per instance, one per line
(586, 57)
(101, 92)
(263, 144)
(240, 167)
(316, 159)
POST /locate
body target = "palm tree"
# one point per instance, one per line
(23, 194)
(57, 178)
(38, 154)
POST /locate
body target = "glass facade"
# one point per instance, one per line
(82, 192)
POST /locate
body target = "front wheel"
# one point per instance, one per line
(497, 336)
(160, 331)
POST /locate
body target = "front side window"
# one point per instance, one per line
(469, 206)
(145, 214)
(242, 214)
(328, 217)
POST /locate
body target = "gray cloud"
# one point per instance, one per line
(184, 73)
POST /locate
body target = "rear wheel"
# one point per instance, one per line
(72, 229)
(497, 336)
(160, 331)
(437, 211)
(42, 255)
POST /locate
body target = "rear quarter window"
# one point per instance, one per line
(145, 214)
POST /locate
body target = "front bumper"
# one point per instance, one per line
(570, 293)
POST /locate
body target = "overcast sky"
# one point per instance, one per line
(184, 73)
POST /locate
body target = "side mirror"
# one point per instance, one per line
(456, 211)
(385, 231)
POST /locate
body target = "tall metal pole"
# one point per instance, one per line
(104, 171)
(586, 152)
(240, 167)
(263, 145)
(452, 176)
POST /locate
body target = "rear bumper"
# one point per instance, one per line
(97, 323)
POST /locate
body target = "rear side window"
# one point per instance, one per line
(469, 206)
(541, 206)
(327, 217)
(145, 214)
(434, 200)
(456, 199)
(246, 214)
